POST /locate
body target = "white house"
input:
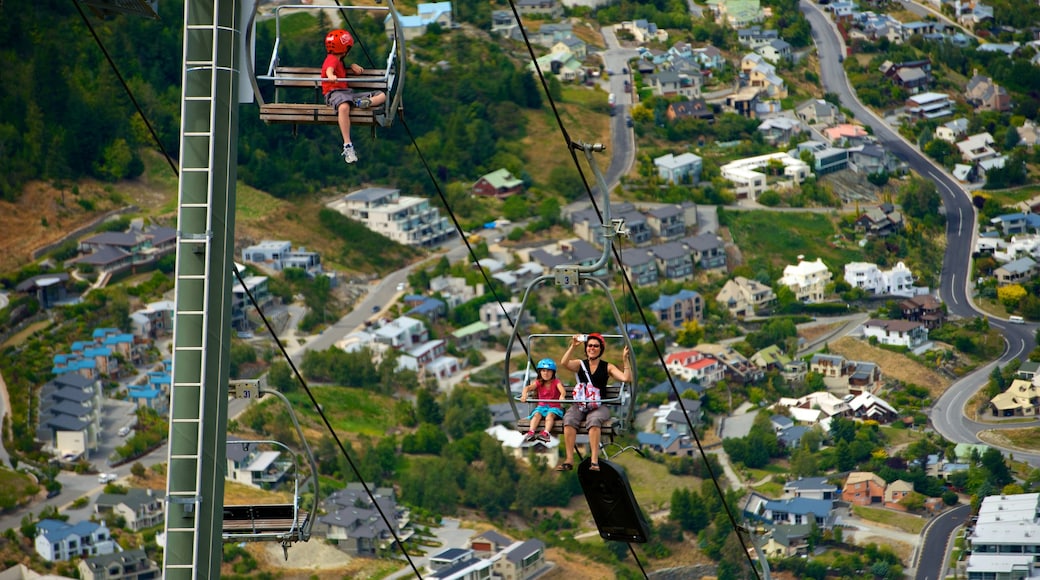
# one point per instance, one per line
(402, 218)
(58, 541)
(899, 281)
(808, 280)
(749, 182)
(978, 147)
(683, 168)
(413, 26)
(896, 332)
(952, 131)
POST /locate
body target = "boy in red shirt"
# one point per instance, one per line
(337, 94)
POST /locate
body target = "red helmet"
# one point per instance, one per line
(599, 337)
(338, 42)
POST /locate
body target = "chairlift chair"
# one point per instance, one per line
(619, 397)
(297, 89)
(283, 523)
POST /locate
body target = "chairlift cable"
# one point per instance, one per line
(263, 317)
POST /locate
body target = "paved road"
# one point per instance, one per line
(933, 553)
(955, 287)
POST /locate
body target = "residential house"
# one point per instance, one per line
(846, 134)
(69, 420)
(249, 464)
(49, 289)
(819, 111)
(552, 9)
(551, 33)
(499, 183)
(500, 317)
(673, 261)
(754, 37)
(880, 221)
(814, 407)
(153, 321)
(744, 297)
(642, 31)
(405, 219)
(896, 492)
(414, 26)
(278, 255)
(871, 158)
(402, 333)
(799, 510)
(1004, 537)
(868, 406)
(678, 309)
(737, 13)
(522, 560)
(690, 109)
(695, 366)
(640, 266)
(503, 23)
(749, 182)
(952, 131)
(470, 336)
(1016, 272)
(707, 250)
(808, 280)
(573, 45)
(745, 101)
(770, 358)
(671, 83)
(762, 75)
(122, 565)
(667, 443)
(681, 387)
(898, 281)
(710, 58)
(986, 95)
(354, 520)
(243, 310)
(736, 366)
(488, 543)
(58, 541)
(776, 50)
(114, 252)
(1011, 223)
(812, 488)
(139, 508)
(684, 168)
(1020, 399)
(896, 332)
(563, 63)
(780, 130)
(924, 308)
(914, 76)
(669, 222)
(929, 105)
(786, 541)
(978, 147)
(863, 488)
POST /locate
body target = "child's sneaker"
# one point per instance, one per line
(529, 437)
(362, 103)
(348, 153)
(543, 436)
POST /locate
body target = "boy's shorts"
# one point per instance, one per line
(544, 411)
(340, 96)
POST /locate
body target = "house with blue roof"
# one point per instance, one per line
(149, 398)
(1016, 271)
(413, 26)
(799, 510)
(1010, 223)
(680, 308)
(426, 306)
(665, 387)
(58, 541)
(671, 442)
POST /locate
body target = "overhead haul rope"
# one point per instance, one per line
(281, 347)
(635, 298)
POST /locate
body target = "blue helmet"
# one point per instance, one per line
(546, 363)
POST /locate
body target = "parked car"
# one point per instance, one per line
(124, 430)
(107, 477)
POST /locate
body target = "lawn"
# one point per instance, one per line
(651, 483)
(776, 239)
(349, 410)
(898, 520)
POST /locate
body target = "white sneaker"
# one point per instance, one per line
(348, 153)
